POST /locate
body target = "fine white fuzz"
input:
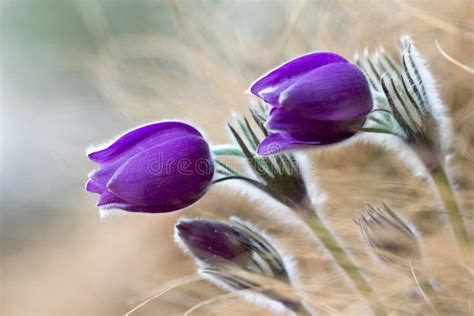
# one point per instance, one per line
(182, 245)
(317, 197)
(106, 214)
(436, 105)
(249, 296)
(407, 104)
(275, 209)
(397, 146)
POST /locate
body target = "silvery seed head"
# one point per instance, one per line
(392, 238)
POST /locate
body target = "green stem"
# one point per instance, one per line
(446, 194)
(234, 151)
(342, 259)
(376, 130)
(227, 150)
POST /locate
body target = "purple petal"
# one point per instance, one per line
(332, 92)
(176, 172)
(92, 187)
(303, 135)
(210, 240)
(140, 138)
(269, 86)
(99, 178)
(282, 119)
(279, 142)
(305, 129)
(275, 143)
(108, 197)
(145, 208)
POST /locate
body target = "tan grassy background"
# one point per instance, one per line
(76, 73)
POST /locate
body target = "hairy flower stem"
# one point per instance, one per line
(342, 258)
(446, 194)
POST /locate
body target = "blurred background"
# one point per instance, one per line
(76, 73)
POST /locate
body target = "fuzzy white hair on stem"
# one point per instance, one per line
(250, 296)
(397, 146)
(317, 197)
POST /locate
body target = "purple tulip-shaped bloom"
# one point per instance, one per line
(316, 99)
(160, 167)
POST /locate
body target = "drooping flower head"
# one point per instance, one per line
(389, 235)
(213, 242)
(238, 257)
(237, 243)
(316, 99)
(156, 168)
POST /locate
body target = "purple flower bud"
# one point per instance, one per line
(214, 242)
(156, 168)
(317, 99)
(238, 257)
(237, 243)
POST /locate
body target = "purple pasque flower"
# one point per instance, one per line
(316, 99)
(156, 168)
